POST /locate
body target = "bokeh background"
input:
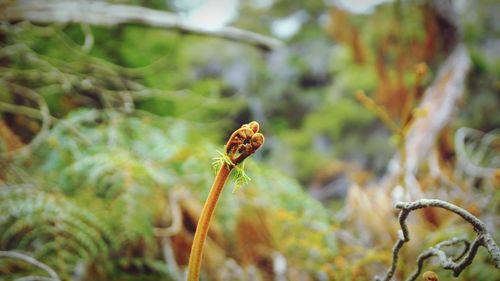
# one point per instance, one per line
(112, 112)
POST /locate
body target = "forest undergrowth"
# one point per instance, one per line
(108, 135)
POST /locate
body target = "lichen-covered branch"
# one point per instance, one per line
(456, 265)
(436, 251)
(104, 14)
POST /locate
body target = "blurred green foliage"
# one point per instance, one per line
(100, 188)
(141, 114)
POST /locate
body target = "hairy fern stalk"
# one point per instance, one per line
(242, 143)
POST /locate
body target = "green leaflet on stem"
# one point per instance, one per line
(240, 179)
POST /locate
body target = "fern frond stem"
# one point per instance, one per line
(204, 222)
(242, 143)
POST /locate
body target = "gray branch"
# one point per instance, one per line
(436, 251)
(104, 14)
(456, 265)
(439, 101)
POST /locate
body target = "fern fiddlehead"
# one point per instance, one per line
(242, 143)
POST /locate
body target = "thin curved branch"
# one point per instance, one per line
(16, 255)
(34, 278)
(36, 114)
(469, 164)
(176, 224)
(166, 232)
(89, 38)
(460, 263)
(45, 119)
(407, 207)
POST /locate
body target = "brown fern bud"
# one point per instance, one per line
(254, 126)
(430, 276)
(244, 133)
(244, 142)
(257, 140)
(238, 138)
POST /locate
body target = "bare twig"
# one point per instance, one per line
(16, 255)
(436, 251)
(104, 14)
(456, 265)
(34, 278)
